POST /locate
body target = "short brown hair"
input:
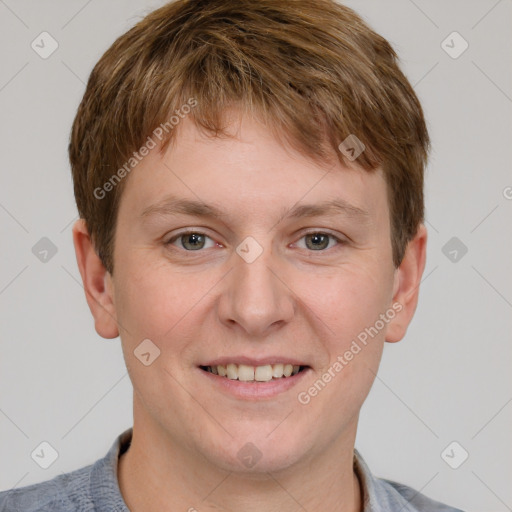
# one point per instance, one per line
(311, 69)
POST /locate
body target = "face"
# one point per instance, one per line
(241, 251)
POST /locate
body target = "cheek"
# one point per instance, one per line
(360, 330)
(348, 301)
(348, 305)
(151, 300)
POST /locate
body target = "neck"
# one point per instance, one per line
(159, 474)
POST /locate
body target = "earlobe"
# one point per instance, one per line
(407, 284)
(97, 282)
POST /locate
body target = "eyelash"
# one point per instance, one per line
(197, 232)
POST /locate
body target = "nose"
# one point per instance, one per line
(256, 297)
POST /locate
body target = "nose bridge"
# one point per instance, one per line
(256, 299)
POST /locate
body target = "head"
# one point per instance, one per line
(234, 121)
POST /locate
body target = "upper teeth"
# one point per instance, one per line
(246, 373)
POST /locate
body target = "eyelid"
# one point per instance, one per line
(322, 232)
(189, 231)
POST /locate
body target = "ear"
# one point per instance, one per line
(407, 285)
(97, 283)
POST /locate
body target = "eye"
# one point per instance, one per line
(191, 241)
(319, 241)
(196, 240)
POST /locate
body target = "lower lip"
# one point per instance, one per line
(254, 389)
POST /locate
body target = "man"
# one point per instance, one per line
(249, 178)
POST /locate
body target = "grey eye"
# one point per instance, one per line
(317, 241)
(192, 241)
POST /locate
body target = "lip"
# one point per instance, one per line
(254, 362)
(253, 390)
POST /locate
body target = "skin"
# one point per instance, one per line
(293, 300)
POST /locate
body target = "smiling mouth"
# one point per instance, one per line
(247, 373)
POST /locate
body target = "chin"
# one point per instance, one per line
(257, 453)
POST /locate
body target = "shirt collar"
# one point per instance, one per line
(104, 483)
(378, 495)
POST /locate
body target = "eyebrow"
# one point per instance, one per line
(175, 206)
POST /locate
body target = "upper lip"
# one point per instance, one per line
(250, 361)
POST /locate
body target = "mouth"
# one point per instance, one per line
(248, 373)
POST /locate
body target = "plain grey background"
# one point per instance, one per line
(448, 381)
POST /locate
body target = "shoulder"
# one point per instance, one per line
(382, 495)
(64, 493)
(91, 488)
(415, 501)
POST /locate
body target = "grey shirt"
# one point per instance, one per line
(95, 488)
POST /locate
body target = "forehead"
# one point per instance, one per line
(249, 172)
